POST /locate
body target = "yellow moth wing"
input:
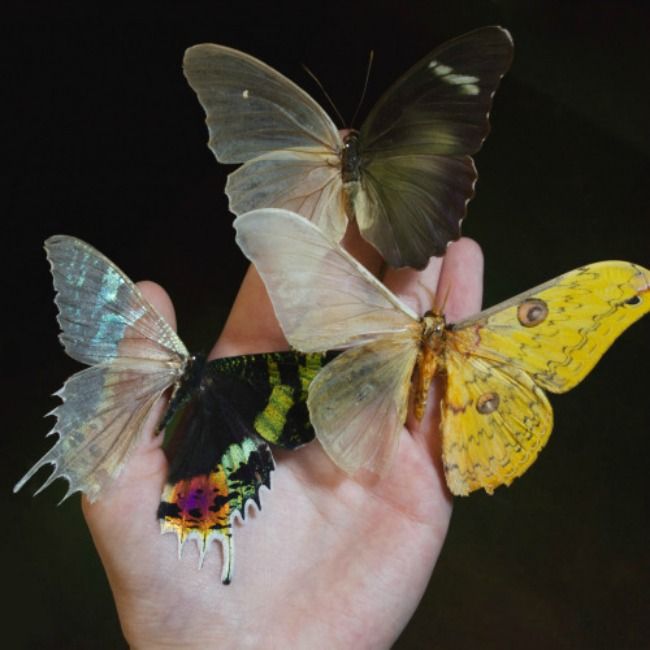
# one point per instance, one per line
(558, 331)
(358, 402)
(495, 420)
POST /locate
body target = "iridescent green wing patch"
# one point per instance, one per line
(228, 410)
(284, 421)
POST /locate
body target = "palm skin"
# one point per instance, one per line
(330, 561)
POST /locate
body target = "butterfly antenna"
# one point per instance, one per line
(444, 301)
(371, 58)
(322, 89)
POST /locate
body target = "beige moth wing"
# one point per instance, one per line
(324, 299)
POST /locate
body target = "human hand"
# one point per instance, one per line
(330, 561)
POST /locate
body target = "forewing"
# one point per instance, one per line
(442, 104)
(307, 182)
(358, 403)
(102, 314)
(323, 298)
(495, 421)
(417, 175)
(558, 331)
(289, 146)
(251, 108)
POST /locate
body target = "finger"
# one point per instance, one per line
(457, 278)
(251, 325)
(160, 299)
(137, 489)
(461, 279)
(416, 288)
(361, 250)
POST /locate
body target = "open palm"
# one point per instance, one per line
(330, 561)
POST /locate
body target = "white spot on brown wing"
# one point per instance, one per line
(439, 69)
(468, 84)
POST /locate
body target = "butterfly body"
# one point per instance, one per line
(430, 360)
(406, 175)
(189, 383)
(495, 366)
(350, 160)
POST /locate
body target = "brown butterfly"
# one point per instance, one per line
(406, 175)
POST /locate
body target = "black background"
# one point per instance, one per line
(104, 140)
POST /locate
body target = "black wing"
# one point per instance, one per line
(227, 411)
(417, 175)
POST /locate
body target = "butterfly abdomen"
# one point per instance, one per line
(429, 360)
(186, 387)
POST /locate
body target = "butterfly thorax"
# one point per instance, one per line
(351, 174)
(350, 158)
(432, 344)
(185, 388)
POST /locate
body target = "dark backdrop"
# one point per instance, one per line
(104, 140)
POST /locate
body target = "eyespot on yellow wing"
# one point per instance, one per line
(559, 330)
(495, 421)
